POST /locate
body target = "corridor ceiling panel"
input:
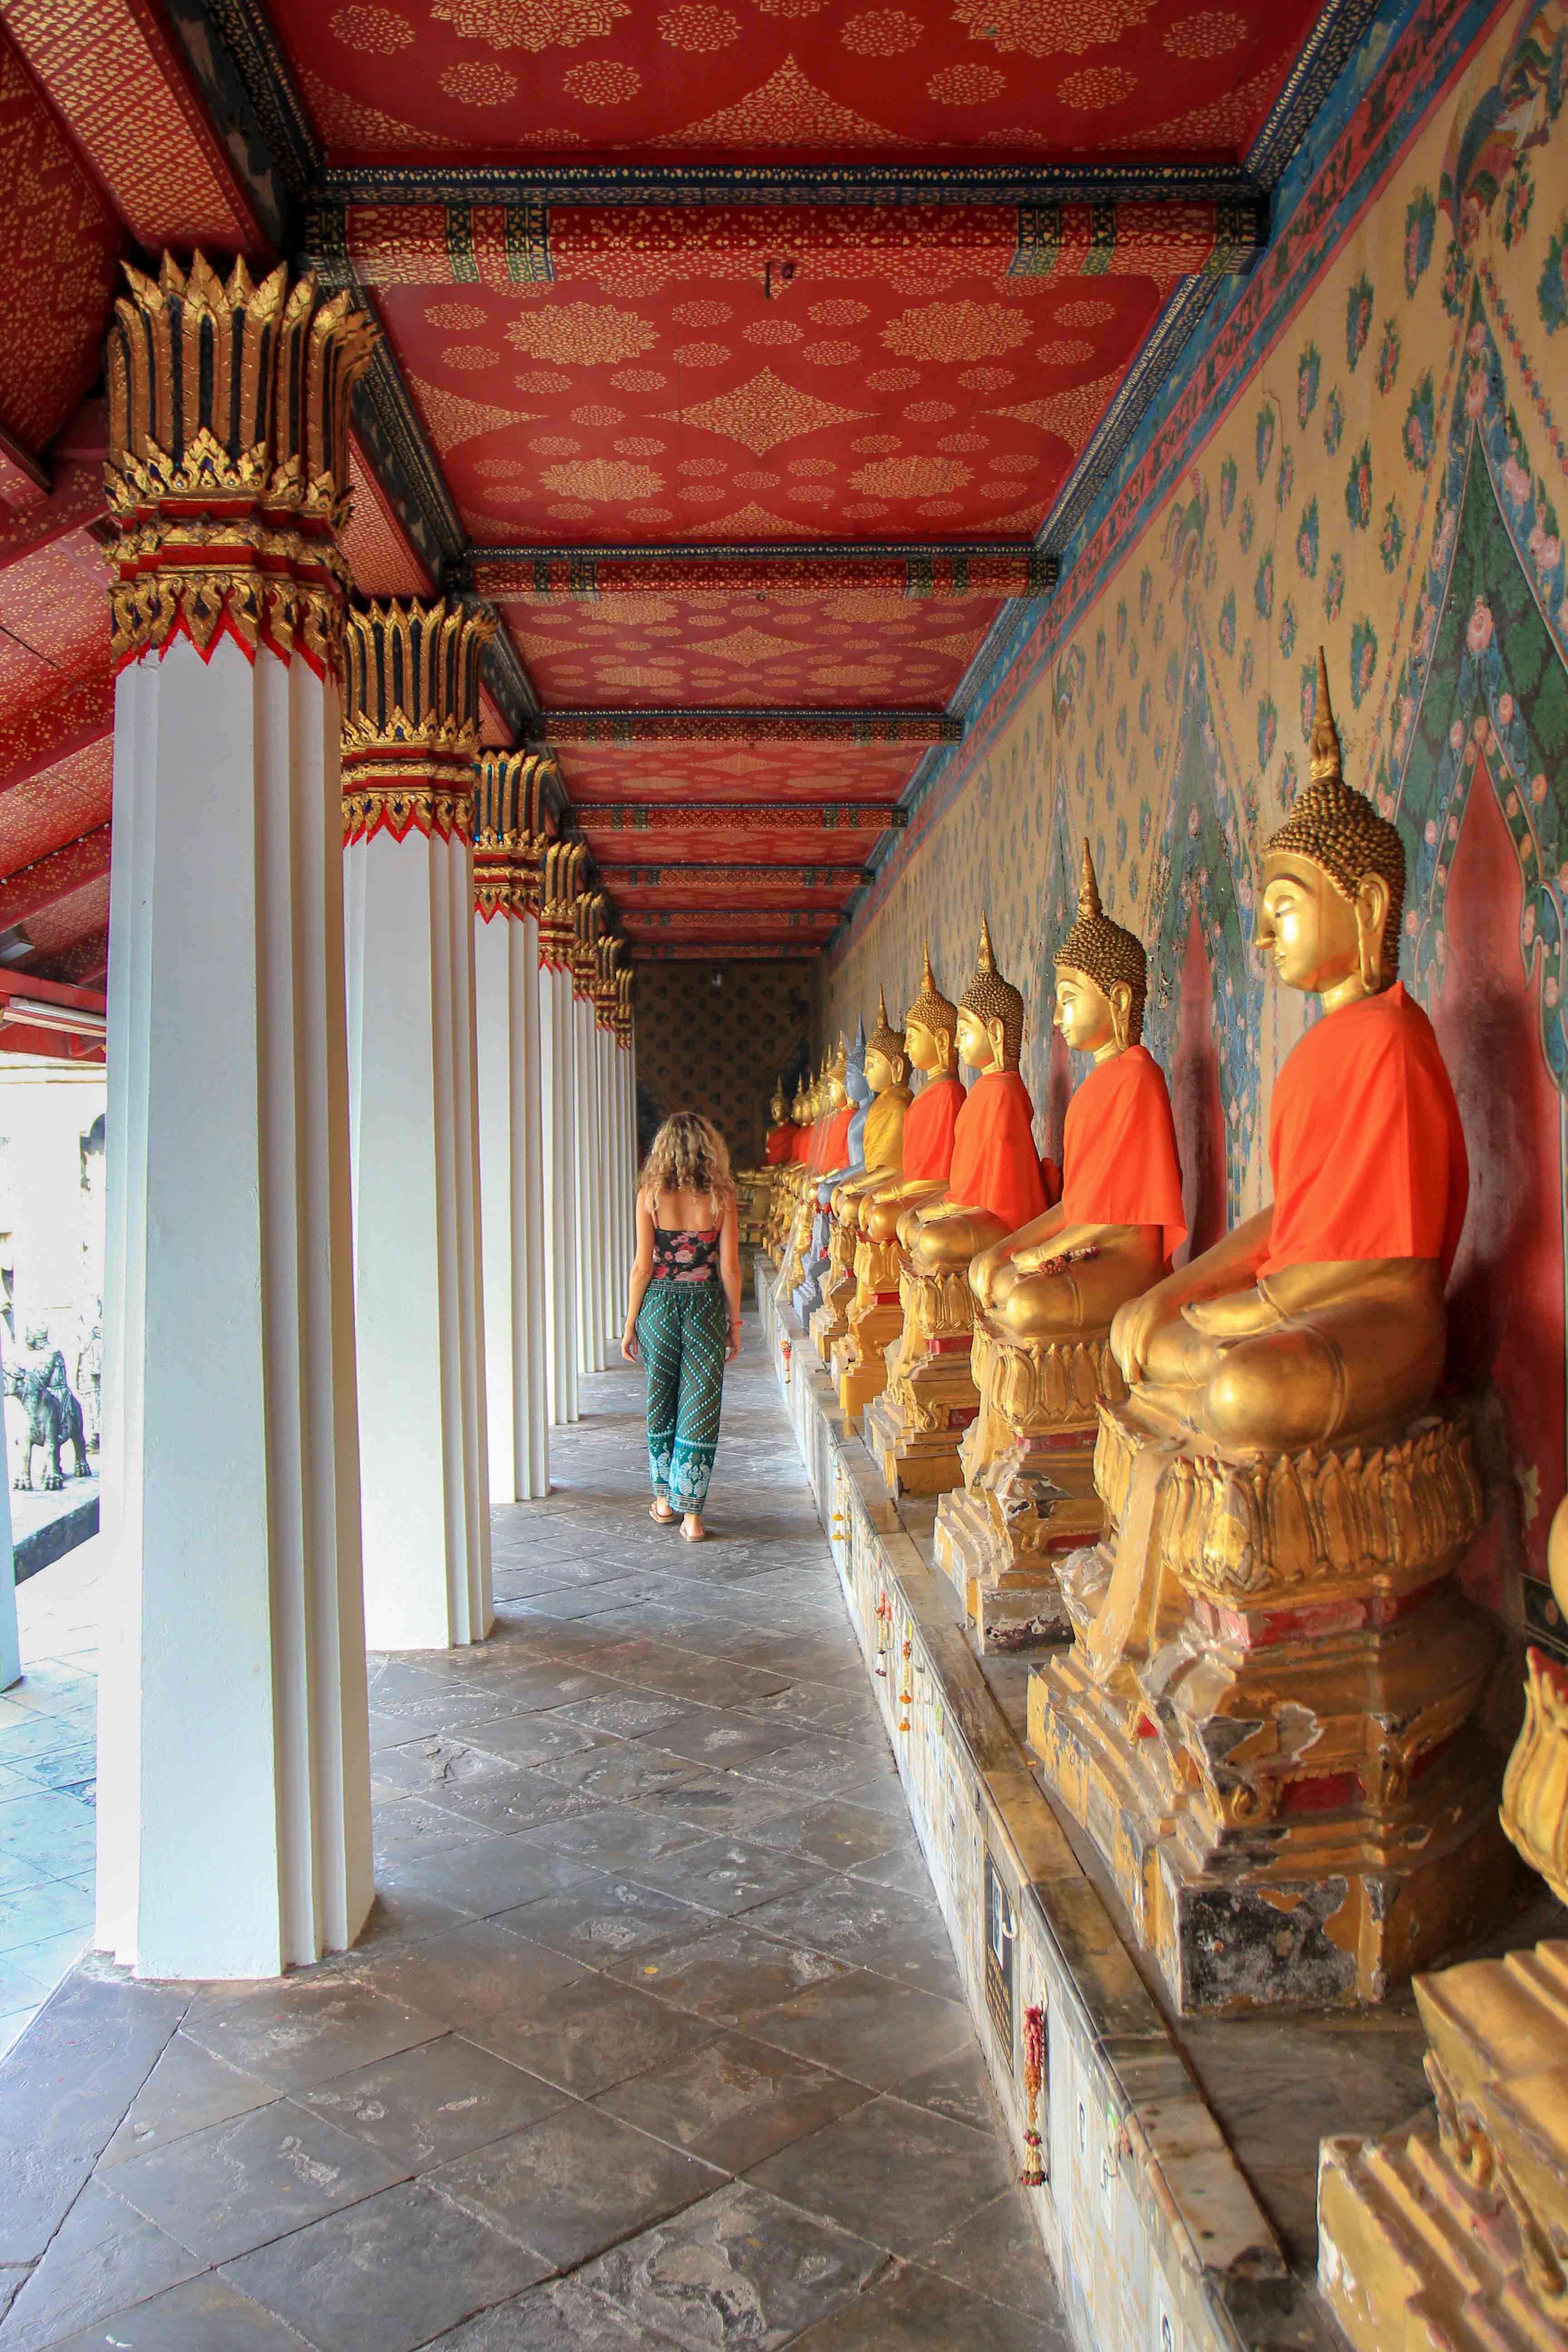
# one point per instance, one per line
(770, 774)
(754, 79)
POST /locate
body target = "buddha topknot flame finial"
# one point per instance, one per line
(1338, 830)
(1110, 955)
(931, 1008)
(885, 1039)
(991, 998)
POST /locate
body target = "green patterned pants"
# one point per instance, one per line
(683, 1329)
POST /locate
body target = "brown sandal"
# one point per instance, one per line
(665, 1519)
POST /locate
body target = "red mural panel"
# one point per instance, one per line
(1506, 1298)
(759, 79)
(58, 263)
(788, 647)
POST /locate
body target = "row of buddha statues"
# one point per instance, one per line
(1224, 1502)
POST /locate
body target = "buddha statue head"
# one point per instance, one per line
(931, 1028)
(886, 1062)
(856, 1086)
(835, 1093)
(1102, 978)
(1333, 881)
(990, 1014)
(777, 1108)
(800, 1104)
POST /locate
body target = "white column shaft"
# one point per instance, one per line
(234, 1804)
(506, 964)
(417, 1281)
(558, 1037)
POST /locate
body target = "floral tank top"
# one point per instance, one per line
(686, 1256)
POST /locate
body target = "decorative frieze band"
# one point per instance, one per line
(227, 473)
(411, 719)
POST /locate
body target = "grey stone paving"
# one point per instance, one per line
(653, 2038)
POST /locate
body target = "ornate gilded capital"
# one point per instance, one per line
(510, 841)
(227, 469)
(624, 981)
(561, 884)
(588, 921)
(411, 719)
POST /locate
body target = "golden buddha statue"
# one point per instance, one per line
(886, 1066)
(1273, 1667)
(1454, 2230)
(994, 1185)
(829, 1125)
(1045, 1296)
(925, 1154)
(786, 1189)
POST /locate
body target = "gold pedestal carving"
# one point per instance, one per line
(831, 1321)
(914, 1426)
(874, 1321)
(1264, 1719)
(1455, 2233)
(1028, 1495)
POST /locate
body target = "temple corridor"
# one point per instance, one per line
(653, 2038)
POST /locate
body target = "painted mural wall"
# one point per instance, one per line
(717, 1044)
(1366, 453)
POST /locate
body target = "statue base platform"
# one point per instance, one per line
(1005, 1575)
(913, 1429)
(1264, 1720)
(830, 1324)
(858, 1364)
(1457, 2236)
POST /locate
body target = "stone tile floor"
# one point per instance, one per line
(653, 2038)
(49, 1757)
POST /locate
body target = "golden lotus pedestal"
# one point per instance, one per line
(912, 1429)
(876, 1319)
(1028, 1497)
(1264, 1719)
(831, 1321)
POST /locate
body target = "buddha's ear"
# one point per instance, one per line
(1371, 915)
(996, 1031)
(1120, 1002)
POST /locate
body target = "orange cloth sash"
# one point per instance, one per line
(1119, 1151)
(929, 1125)
(995, 1165)
(1364, 1141)
(819, 1127)
(780, 1145)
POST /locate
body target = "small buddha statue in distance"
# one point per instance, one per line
(1320, 1319)
(931, 1043)
(1119, 1218)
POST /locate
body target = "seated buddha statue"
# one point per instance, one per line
(1045, 1296)
(779, 1146)
(874, 1155)
(994, 1186)
(829, 1127)
(1320, 1319)
(1274, 1671)
(841, 1157)
(926, 1123)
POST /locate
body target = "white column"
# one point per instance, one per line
(234, 1789)
(512, 1179)
(10, 1647)
(408, 860)
(557, 1035)
(589, 1193)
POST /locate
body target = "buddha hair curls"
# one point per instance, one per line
(687, 1155)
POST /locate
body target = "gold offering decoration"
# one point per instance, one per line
(227, 467)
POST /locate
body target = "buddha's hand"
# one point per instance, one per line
(986, 1273)
(1235, 1315)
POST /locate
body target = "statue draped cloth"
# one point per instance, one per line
(836, 1141)
(1364, 1141)
(929, 1126)
(880, 1144)
(996, 1166)
(780, 1145)
(1119, 1151)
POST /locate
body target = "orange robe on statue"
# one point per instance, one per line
(929, 1126)
(780, 1145)
(1364, 1141)
(835, 1141)
(1119, 1151)
(996, 1166)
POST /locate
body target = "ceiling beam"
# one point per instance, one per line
(797, 878)
(723, 919)
(868, 188)
(75, 716)
(74, 500)
(722, 952)
(595, 817)
(718, 725)
(923, 571)
(49, 879)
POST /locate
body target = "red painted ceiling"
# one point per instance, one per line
(760, 78)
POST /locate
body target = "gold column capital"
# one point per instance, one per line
(227, 464)
(411, 718)
(560, 889)
(510, 840)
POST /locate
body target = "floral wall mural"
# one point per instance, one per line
(1366, 452)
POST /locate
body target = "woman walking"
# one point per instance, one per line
(683, 1311)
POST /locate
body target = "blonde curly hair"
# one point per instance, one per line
(688, 1155)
